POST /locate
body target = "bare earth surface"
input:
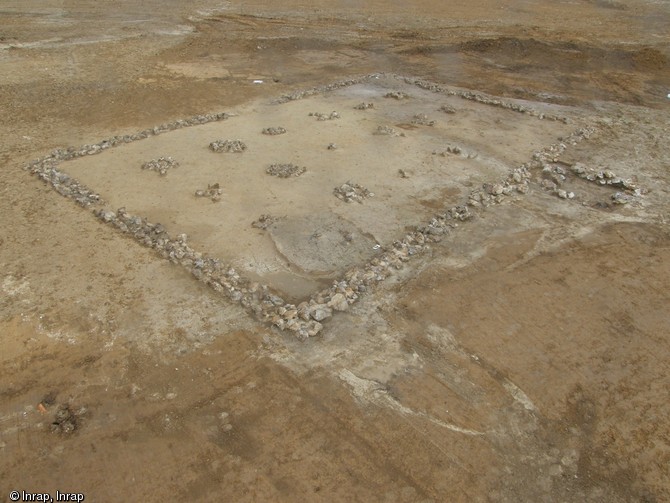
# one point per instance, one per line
(524, 357)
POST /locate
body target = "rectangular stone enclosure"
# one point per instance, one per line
(293, 192)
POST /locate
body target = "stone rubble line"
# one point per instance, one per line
(305, 318)
(603, 177)
(481, 98)
(518, 180)
(423, 84)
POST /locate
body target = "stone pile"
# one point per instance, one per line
(235, 146)
(349, 192)
(66, 420)
(161, 165)
(364, 106)
(552, 178)
(273, 131)
(450, 149)
(422, 120)
(387, 131)
(212, 192)
(447, 109)
(325, 117)
(263, 222)
(622, 198)
(397, 95)
(285, 170)
(494, 193)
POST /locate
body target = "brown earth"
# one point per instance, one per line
(524, 358)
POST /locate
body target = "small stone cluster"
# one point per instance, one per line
(494, 193)
(397, 95)
(263, 222)
(273, 131)
(212, 192)
(285, 170)
(552, 179)
(65, 421)
(364, 106)
(622, 198)
(447, 109)
(161, 165)
(325, 117)
(449, 149)
(349, 192)
(387, 131)
(422, 120)
(235, 146)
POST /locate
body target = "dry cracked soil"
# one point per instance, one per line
(524, 357)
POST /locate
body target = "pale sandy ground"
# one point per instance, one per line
(523, 359)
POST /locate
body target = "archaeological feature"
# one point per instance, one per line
(426, 175)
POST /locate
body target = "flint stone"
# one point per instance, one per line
(496, 190)
(320, 312)
(338, 302)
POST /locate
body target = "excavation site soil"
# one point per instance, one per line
(335, 251)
